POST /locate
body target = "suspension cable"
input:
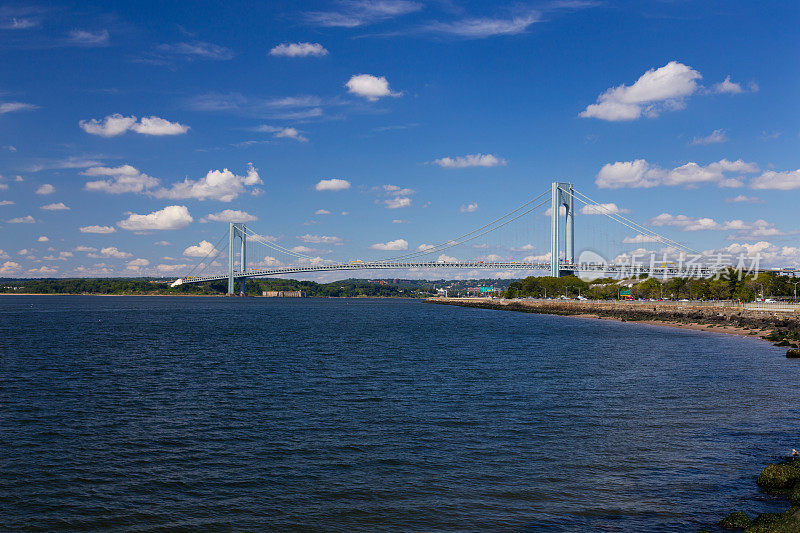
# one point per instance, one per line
(213, 249)
(436, 247)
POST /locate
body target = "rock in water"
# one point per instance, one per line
(736, 520)
(777, 476)
(793, 353)
(788, 522)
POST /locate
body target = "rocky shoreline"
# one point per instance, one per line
(781, 328)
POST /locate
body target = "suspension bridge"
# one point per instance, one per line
(560, 261)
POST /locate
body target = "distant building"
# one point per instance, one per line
(284, 294)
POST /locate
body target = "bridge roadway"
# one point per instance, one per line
(668, 270)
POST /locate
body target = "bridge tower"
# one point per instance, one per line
(237, 231)
(562, 195)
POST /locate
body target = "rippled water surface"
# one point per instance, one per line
(341, 415)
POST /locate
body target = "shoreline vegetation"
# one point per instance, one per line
(780, 328)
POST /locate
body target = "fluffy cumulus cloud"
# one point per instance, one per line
(222, 185)
(46, 189)
(98, 229)
(269, 261)
(783, 181)
(42, 239)
(727, 86)
(59, 206)
(231, 215)
(469, 208)
(333, 184)
(113, 252)
(602, 209)
(202, 249)
(471, 160)
(716, 137)
(767, 252)
(391, 246)
(398, 196)
(741, 229)
(370, 87)
(322, 212)
(319, 239)
(299, 50)
(640, 173)
(27, 219)
(137, 264)
(10, 267)
(116, 124)
(656, 90)
(121, 179)
(171, 217)
(443, 258)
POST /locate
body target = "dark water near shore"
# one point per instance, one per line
(340, 415)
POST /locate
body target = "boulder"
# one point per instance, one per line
(794, 353)
(736, 520)
(788, 522)
(778, 476)
(794, 495)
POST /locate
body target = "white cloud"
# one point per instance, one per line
(391, 246)
(425, 247)
(397, 202)
(742, 229)
(446, 259)
(354, 13)
(471, 160)
(322, 212)
(283, 133)
(299, 50)
(124, 179)
(639, 239)
(743, 199)
(171, 217)
(117, 124)
(43, 270)
(202, 249)
(333, 184)
(136, 264)
(370, 87)
(479, 28)
(42, 239)
(536, 258)
(656, 90)
(110, 126)
(159, 126)
(46, 189)
(22, 220)
(112, 251)
(222, 185)
(770, 254)
(301, 249)
(98, 229)
(783, 181)
(85, 249)
(162, 243)
(6, 202)
(11, 107)
(55, 207)
(729, 87)
(88, 38)
(171, 268)
(399, 221)
(231, 215)
(640, 173)
(716, 136)
(603, 209)
(319, 239)
(3, 254)
(270, 261)
(470, 208)
(523, 248)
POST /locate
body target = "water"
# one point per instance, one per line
(340, 415)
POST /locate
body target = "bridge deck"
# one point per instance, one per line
(626, 269)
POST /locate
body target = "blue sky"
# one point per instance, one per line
(129, 133)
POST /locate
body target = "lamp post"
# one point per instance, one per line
(795, 289)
